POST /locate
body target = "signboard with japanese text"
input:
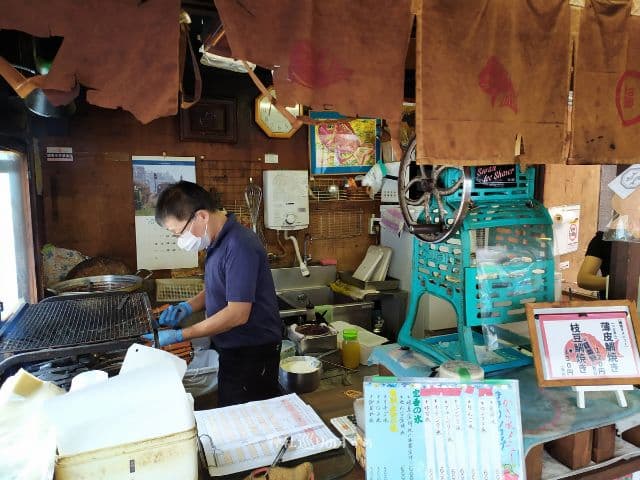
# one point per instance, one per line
(585, 343)
(495, 176)
(438, 428)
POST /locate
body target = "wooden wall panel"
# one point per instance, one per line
(625, 270)
(89, 202)
(569, 185)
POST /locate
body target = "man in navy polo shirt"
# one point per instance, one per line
(239, 296)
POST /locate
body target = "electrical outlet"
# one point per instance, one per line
(373, 224)
(270, 158)
(388, 195)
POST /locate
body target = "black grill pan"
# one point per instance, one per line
(74, 324)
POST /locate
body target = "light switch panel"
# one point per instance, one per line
(270, 158)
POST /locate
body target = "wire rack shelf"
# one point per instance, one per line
(327, 189)
(334, 224)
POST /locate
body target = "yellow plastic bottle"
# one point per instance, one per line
(350, 348)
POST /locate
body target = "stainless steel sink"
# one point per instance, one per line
(295, 291)
(283, 306)
(299, 298)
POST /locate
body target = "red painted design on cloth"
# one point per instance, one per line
(625, 97)
(314, 68)
(494, 80)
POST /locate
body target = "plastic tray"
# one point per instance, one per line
(366, 339)
(177, 289)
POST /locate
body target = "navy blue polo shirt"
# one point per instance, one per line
(237, 270)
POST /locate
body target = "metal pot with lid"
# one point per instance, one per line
(100, 283)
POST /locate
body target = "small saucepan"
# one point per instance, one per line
(300, 374)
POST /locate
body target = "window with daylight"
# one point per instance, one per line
(17, 271)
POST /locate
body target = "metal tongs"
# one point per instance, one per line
(154, 327)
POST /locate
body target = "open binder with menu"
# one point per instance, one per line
(250, 435)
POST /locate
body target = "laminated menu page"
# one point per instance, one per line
(433, 428)
(249, 435)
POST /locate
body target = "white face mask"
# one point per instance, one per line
(189, 242)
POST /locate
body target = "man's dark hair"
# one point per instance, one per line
(181, 200)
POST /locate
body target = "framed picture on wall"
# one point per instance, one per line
(342, 145)
(210, 120)
(585, 343)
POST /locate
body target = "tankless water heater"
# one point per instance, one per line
(286, 199)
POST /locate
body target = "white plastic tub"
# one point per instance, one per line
(366, 339)
(169, 457)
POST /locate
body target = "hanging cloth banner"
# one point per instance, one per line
(124, 52)
(492, 81)
(330, 55)
(606, 111)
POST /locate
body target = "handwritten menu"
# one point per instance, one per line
(431, 428)
(587, 344)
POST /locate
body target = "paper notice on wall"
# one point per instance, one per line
(566, 228)
(626, 183)
(59, 154)
(392, 220)
(155, 247)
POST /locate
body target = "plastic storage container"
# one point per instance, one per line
(366, 339)
(177, 289)
(169, 457)
(461, 370)
(201, 377)
(288, 349)
(350, 348)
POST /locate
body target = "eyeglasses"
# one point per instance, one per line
(186, 224)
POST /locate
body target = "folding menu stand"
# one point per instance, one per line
(618, 389)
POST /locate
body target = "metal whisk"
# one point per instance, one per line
(253, 197)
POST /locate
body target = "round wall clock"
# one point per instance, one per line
(271, 121)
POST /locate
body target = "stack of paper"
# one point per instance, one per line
(247, 436)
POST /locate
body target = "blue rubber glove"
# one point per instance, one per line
(166, 337)
(173, 315)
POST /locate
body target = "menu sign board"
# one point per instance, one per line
(495, 176)
(437, 428)
(594, 344)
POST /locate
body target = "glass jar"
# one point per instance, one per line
(350, 348)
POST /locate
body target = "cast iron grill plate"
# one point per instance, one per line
(70, 320)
